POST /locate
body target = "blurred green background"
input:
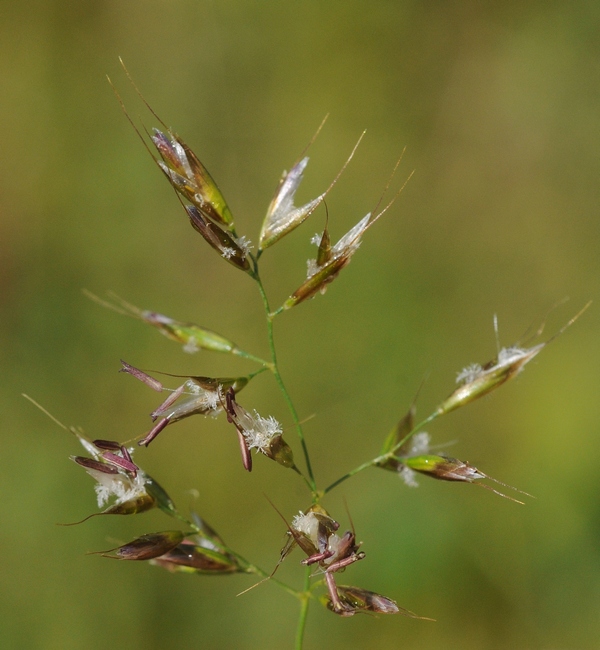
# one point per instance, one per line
(498, 105)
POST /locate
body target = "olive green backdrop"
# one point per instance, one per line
(499, 108)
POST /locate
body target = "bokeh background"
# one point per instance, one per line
(498, 105)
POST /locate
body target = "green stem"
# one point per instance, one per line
(251, 357)
(356, 470)
(411, 433)
(275, 369)
(383, 457)
(251, 568)
(303, 610)
(257, 372)
(248, 566)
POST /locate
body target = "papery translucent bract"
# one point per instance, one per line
(320, 276)
(222, 241)
(489, 377)
(193, 558)
(147, 546)
(190, 178)
(477, 380)
(192, 336)
(445, 468)
(283, 216)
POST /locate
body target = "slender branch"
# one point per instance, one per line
(251, 357)
(411, 433)
(252, 568)
(383, 457)
(303, 610)
(356, 470)
(248, 566)
(275, 369)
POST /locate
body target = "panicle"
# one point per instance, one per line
(232, 249)
(446, 468)
(203, 552)
(311, 530)
(257, 432)
(190, 557)
(415, 446)
(477, 380)
(354, 600)
(119, 479)
(396, 435)
(282, 215)
(193, 337)
(338, 256)
(191, 179)
(146, 547)
(196, 396)
(177, 551)
(314, 531)
(331, 260)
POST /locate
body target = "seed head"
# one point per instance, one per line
(283, 216)
(354, 600)
(477, 380)
(193, 337)
(446, 468)
(196, 558)
(117, 478)
(225, 243)
(319, 276)
(190, 178)
(196, 396)
(257, 432)
(416, 446)
(146, 547)
(203, 552)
